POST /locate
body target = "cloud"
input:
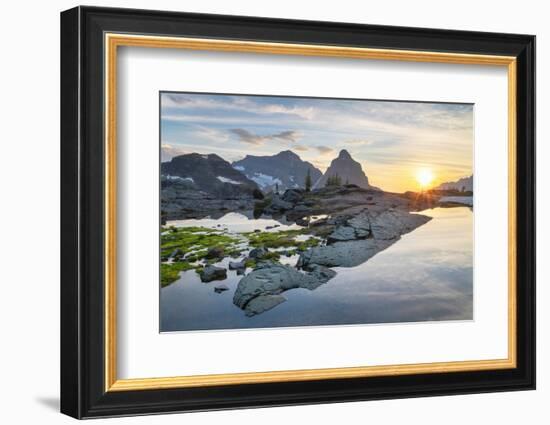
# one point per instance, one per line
(256, 139)
(289, 135)
(210, 134)
(358, 142)
(303, 112)
(240, 103)
(300, 148)
(324, 149)
(167, 151)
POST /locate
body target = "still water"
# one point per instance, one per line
(425, 276)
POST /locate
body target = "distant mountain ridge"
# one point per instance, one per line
(285, 170)
(208, 173)
(463, 184)
(347, 170)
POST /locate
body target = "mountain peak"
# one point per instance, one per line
(346, 169)
(284, 170)
(344, 154)
(287, 154)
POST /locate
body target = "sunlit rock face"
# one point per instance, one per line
(347, 170)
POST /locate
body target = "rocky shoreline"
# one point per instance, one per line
(354, 225)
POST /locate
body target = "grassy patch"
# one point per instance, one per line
(196, 239)
(169, 273)
(272, 255)
(195, 242)
(250, 263)
(282, 239)
(310, 243)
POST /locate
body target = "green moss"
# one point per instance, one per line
(196, 239)
(272, 255)
(310, 243)
(250, 263)
(282, 239)
(169, 273)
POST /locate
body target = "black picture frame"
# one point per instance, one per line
(83, 392)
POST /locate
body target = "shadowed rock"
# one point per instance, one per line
(359, 238)
(256, 290)
(258, 253)
(237, 265)
(210, 273)
(221, 288)
(263, 303)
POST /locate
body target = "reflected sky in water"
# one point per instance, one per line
(425, 276)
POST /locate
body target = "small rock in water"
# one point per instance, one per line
(260, 290)
(257, 230)
(221, 288)
(258, 252)
(215, 252)
(210, 273)
(236, 265)
(176, 253)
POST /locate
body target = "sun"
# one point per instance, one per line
(424, 177)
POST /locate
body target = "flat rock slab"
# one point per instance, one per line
(270, 279)
(349, 249)
(263, 303)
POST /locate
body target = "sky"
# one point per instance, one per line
(392, 140)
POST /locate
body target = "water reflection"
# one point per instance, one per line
(238, 223)
(427, 275)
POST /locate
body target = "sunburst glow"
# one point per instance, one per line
(425, 177)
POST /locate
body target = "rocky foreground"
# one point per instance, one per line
(341, 227)
(352, 241)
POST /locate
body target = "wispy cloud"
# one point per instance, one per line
(357, 142)
(255, 139)
(324, 149)
(234, 103)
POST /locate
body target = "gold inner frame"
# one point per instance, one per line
(113, 41)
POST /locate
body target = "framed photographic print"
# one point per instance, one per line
(261, 212)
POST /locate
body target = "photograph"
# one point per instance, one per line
(284, 210)
(280, 211)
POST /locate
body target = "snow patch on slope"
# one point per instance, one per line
(263, 180)
(226, 180)
(178, 178)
